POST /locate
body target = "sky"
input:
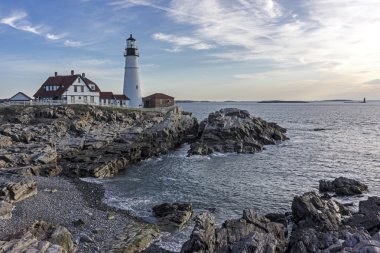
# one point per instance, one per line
(198, 49)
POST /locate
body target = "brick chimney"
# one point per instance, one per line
(83, 74)
(55, 73)
(72, 72)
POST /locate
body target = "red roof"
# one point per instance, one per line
(121, 97)
(64, 82)
(159, 96)
(106, 95)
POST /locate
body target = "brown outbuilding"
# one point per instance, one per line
(158, 100)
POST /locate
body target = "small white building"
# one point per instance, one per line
(69, 89)
(110, 99)
(20, 97)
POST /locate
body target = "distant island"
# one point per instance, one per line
(281, 101)
(338, 100)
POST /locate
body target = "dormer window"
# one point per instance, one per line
(78, 79)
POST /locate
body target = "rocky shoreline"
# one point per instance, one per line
(315, 224)
(45, 207)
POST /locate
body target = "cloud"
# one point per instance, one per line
(50, 36)
(180, 42)
(73, 43)
(17, 20)
(374, 81)
(327, 35)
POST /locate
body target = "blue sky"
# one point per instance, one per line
(198, 49)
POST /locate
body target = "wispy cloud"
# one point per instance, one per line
(73, 43)
(328, 35)
(54, 36)
(18, 20)
(180, 42)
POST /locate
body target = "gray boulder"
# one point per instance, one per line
(368, 216)
(176, 214)
(235, 130)
(40, 237)
(202, 239)
(309, 210)
(343, 186)
(15, 188)
(251, 233)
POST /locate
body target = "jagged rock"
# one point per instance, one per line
(343, 186)
(28, 154)
(40, 237)
(251, 233)
(234, 130)
(6, 209)
(202, 239)
(14, 188)
(368, 216)
(309, 210)
(134, 238)
(256, 242)
(277, 217)
(173, 214)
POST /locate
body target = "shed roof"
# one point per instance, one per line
(159, 96)
(121, 97)
(106, 95)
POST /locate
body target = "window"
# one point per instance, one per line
(78, 79)
(109, 101)
(92, 99)
(72, 99)
(137, 87)
(75, 88)
(82, 88)
(79, 97)
(85, 99)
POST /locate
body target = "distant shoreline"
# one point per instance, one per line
(282, 101)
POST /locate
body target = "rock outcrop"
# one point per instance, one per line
(234, 130)
(40, 237)
(316, 225)
(86, 140)
(368, 216)
(15, 188)
(343, 186)
(251, 233)
(134, 238)
(176, 214)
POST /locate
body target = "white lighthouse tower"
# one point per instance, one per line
(132, 87)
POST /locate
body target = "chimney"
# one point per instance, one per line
(83, 75)
(72, 72)
(55, 73)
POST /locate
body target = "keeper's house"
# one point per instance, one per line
(77, 89)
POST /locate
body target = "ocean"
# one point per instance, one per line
(346, 143)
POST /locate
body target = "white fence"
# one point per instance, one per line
(63, 102)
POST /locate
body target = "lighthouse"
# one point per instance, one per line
(132, 88)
